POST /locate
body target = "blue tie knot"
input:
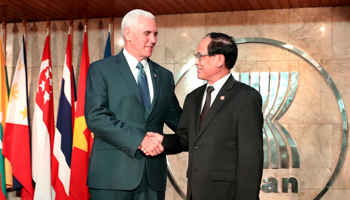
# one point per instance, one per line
(139, 66)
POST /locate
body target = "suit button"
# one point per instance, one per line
(146, 124)
(195, 147)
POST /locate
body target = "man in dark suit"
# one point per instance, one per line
(221, 127)
(128, 95)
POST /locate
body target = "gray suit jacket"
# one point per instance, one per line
(115, 113)
(226, 154)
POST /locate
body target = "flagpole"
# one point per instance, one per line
(4, 36)
(71, 37)
(48, 26)
(111, 29)
(24, 22)
(87, 47)
(85, 24)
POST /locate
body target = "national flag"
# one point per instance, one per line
(17, 132)
(43, 129)
(108, 49)
(82, 138)
(3, 108)
(62, 147)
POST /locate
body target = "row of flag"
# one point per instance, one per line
(48, 162)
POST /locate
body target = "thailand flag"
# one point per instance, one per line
(62, 147)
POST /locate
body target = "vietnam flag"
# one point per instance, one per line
(17, 135)
(62, 147)
(43, 129)
(3, 108)
(82, 138)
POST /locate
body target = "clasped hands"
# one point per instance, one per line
(151, 144)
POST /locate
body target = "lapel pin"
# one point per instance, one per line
(155, 76)
(222, 97)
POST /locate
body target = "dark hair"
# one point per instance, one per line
(223, 44)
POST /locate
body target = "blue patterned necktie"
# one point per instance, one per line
(143, 85)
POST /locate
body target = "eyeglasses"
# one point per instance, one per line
(199, 55)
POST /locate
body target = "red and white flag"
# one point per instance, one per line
(17, 134)
(43, 129)
(62, 147)
(82, 138)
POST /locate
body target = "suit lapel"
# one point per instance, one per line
(155, 80)
(198, 106)
(220, 100)
(124, 69)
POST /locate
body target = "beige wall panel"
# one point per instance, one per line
(313, 119)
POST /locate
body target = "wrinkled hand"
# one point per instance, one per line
(152, 144)
(158, 136)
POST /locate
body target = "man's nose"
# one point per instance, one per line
(153, 39)
(196, 61)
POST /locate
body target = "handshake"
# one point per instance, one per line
(151, 144)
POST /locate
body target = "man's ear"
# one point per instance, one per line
(127, 34)
(221, 60)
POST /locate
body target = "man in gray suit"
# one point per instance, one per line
(221, 127)
(128, 95)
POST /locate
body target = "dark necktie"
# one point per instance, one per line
(206, 107)
(143, 85)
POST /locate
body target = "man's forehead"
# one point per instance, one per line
(145, 24)
(203, 45)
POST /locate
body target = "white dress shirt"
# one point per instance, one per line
(217, 87)
(133, 63)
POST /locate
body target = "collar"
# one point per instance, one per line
(132, 60)
(218, 84)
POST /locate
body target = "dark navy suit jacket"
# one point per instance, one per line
(115, 113)
(226, 154)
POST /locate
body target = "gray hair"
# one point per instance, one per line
(131, 18)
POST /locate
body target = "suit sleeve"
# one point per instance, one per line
(174, 112)
(250, 148)
(178, 142)
(102, 122)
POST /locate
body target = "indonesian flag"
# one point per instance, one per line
(3, 108)
(82, 138)
(62, 147)
(17, 135)
(43, 129)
